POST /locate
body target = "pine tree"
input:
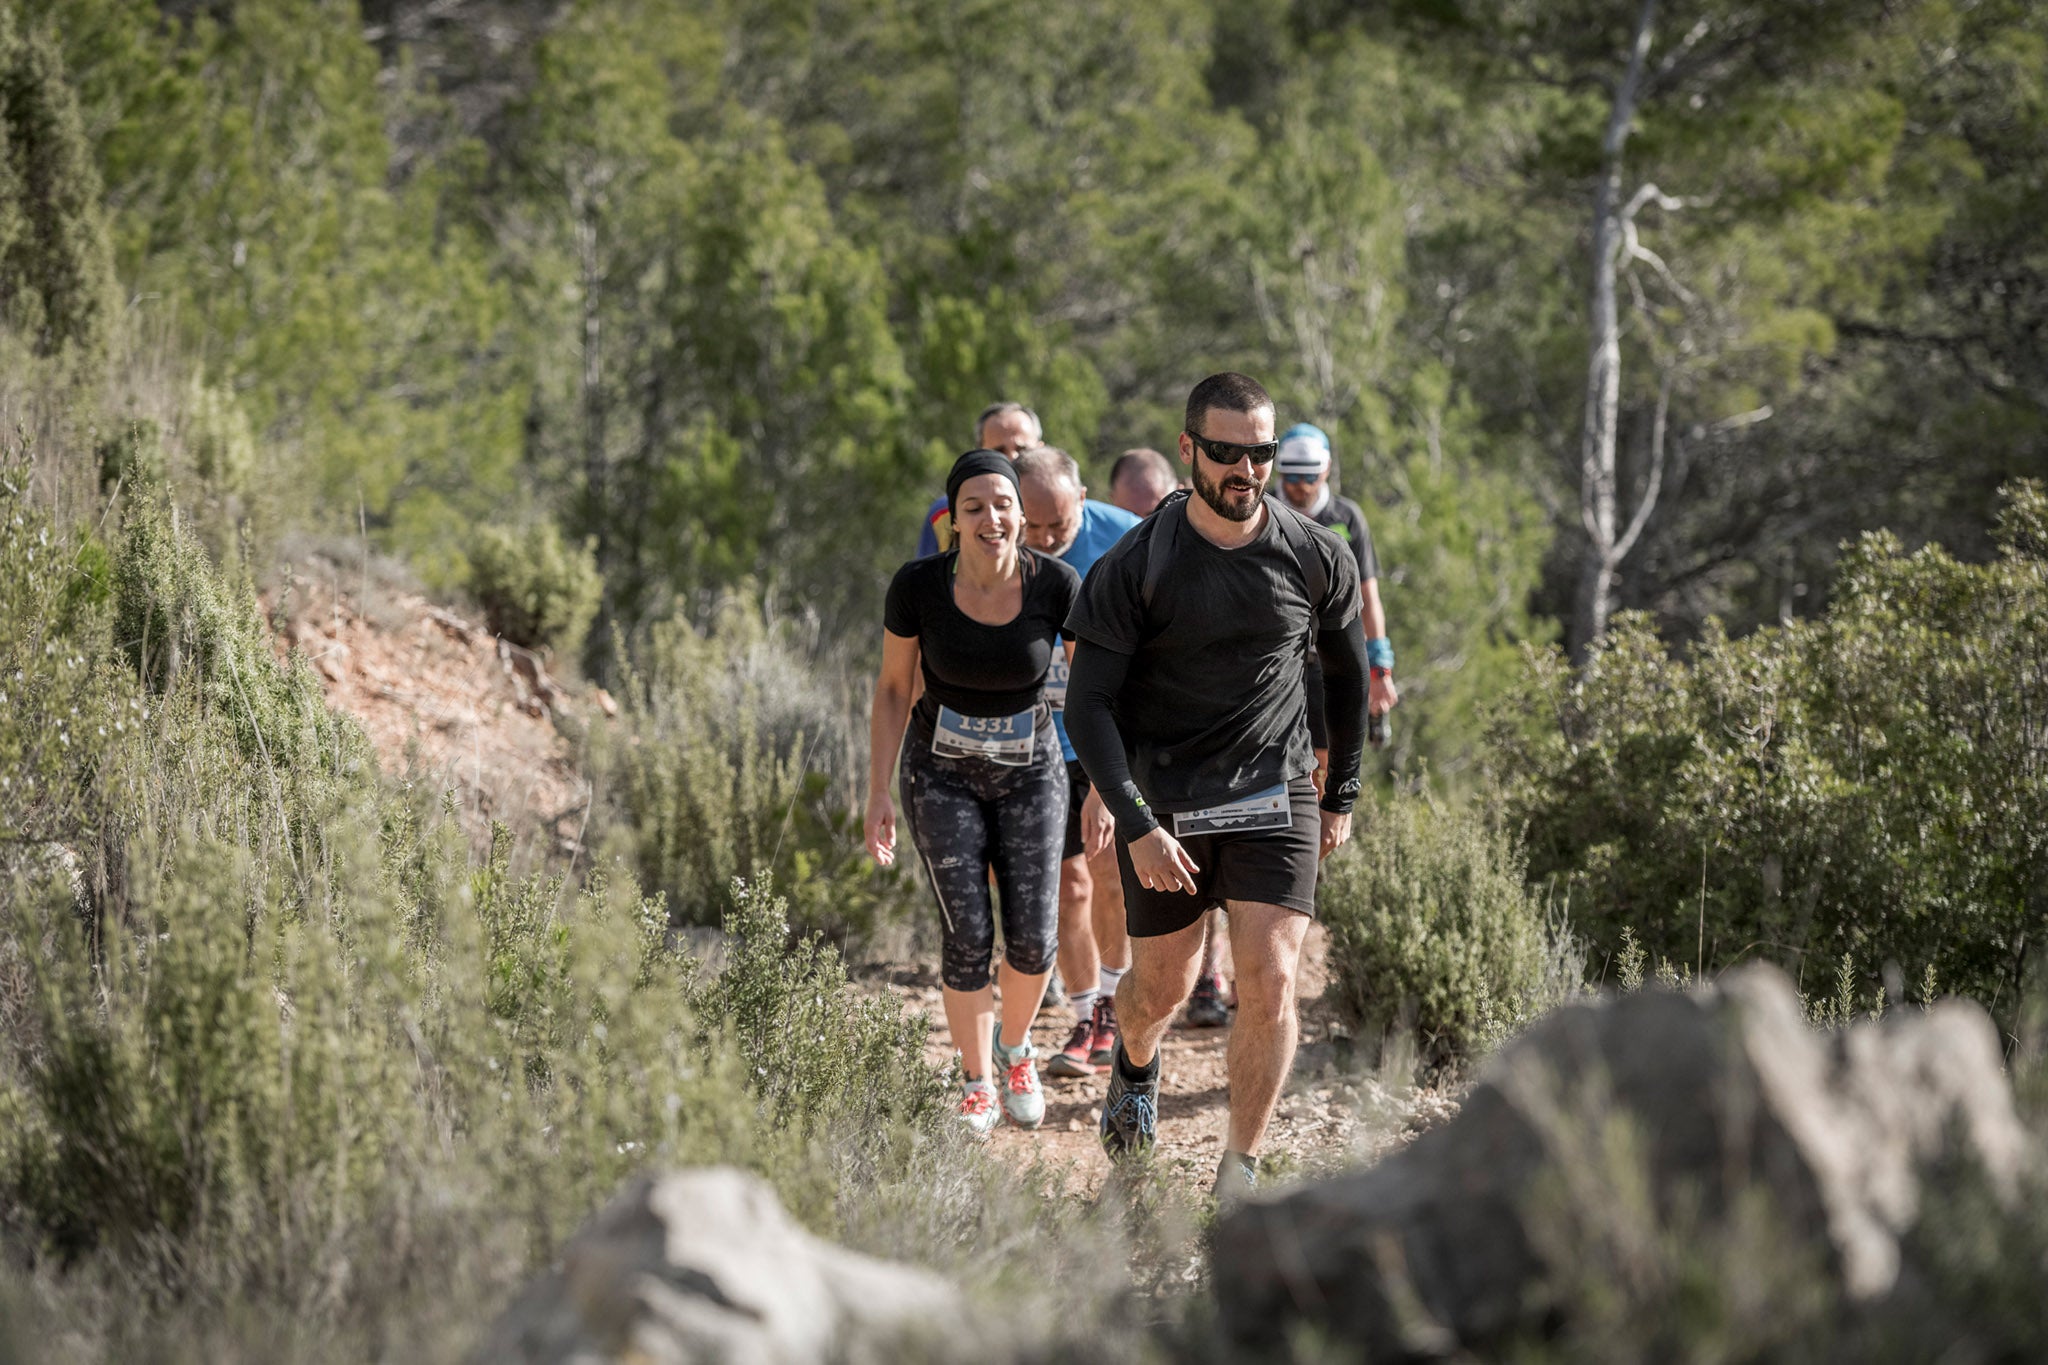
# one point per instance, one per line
(57, 290)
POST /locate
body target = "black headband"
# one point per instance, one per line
(977, 462)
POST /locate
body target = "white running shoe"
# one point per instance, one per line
(1023, 1101)
(978, 1109)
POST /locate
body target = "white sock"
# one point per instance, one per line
(1083, 1003)
(976, 1083)
(1110, 976)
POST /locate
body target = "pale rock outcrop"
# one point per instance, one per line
(705, 1265)
(1726, 1093)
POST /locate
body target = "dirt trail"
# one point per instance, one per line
(1333, 1112)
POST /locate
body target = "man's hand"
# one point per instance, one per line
(1336, 829)
(881, 828)
(1098, 826)
(1162, 864)
(1382, 696)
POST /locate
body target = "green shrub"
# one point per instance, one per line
(736, 757)
(299, 1080)
(300, 1049)
(536, 589)
(1433, 927)
(60, 700)
(1868, 783)
(812, 1048)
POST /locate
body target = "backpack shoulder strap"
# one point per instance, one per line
(1294, 530)
(1169, 514)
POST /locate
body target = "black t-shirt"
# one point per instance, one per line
(1212, 706)
(1345, 519)
(977, 669)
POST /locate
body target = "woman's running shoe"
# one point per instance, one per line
(978, 1110)
(1023, 1101)
(1205, 1007)
(1072, 1059)
(1102, 1046)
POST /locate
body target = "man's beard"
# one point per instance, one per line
(1217, 494)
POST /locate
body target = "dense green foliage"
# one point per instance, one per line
(1435, 935)
(536, 589)
(1869, 782)
(265, 1026)
(56, 263)
(737, 756)
(718, 286)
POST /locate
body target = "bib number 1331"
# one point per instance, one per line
(1002, 739)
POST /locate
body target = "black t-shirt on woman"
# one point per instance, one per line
(977, 669)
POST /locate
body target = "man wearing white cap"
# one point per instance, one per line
(1304, 469)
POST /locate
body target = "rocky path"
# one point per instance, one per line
(1335, 1111)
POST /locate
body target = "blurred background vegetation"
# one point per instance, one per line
(714, 289)
(1679, 356)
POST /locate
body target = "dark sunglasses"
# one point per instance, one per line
(1223, 452)
(1299, 478)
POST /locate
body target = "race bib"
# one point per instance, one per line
(1002, 739)
(1269, 809)
(1056, 681)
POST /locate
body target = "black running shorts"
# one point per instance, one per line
(1269, 867)
(1077, 792)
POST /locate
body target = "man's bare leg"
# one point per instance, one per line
(1080, 967)
(1266, 943)
(1161, 975)
(1112, 937)
(1214, 929)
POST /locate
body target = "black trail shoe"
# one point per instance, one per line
(1237, 1179)
(1130, 1111)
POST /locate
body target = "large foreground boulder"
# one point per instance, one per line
(705, 1265)
(1696, 1108)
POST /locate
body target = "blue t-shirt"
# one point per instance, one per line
(1102, 525)
(928, 536)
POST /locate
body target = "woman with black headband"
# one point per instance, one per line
(983, 783)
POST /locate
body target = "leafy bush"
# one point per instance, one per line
(57, 695)
(812, 1049)
(536, 589)
(736, 757)
(300, 1051)
(1432, 926)
(1870, 783)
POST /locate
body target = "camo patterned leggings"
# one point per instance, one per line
(969, 815)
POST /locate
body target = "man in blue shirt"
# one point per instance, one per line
(1007, 428)
(1060, 519)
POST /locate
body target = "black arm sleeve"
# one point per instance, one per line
(1098, 675)
(1344, 692)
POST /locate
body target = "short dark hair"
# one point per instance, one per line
(1229, 392)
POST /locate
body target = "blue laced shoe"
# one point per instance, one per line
(1130, 1111)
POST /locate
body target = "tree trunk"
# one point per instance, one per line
(1597, 494)
(596, 469)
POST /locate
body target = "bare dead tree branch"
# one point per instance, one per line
(1648, 503)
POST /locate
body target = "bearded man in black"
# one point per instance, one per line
(1186, 709)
